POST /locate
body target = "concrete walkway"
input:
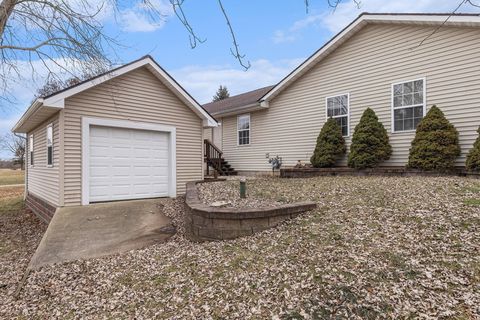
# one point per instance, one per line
(102, 229)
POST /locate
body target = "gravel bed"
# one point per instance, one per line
(376, 247)
(228, 192)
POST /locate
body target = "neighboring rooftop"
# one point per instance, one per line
(235, 102)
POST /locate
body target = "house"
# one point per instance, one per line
(131, 133)
(397, 64)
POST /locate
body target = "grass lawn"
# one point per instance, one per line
(8, 176)
(376, 247)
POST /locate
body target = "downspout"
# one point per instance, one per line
(24, 164)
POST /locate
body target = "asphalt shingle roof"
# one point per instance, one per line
(240, 100)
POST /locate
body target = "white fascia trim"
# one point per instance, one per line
(355, 26)
(243, 109)
(30, 111)
(58, 100)
(433, 18)
(87, 122)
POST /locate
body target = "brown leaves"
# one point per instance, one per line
(376, 248)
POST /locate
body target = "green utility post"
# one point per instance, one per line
(243, 188)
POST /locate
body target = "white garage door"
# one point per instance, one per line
(127, 164)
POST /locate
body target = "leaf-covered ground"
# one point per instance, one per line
(375, 248)
(20, 233)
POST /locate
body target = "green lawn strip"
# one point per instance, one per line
(11, 205)
(472, 202)
(8, 177)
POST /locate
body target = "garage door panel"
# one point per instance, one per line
(127, 164)
(99, 151)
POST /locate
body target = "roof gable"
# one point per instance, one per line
(56, 101)
(467, 20)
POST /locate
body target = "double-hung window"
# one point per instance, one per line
(338, 109)
(408, 104)
(243, 129)
(30, 149)
(50, 145)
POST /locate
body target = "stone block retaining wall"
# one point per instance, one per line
(205, 223)
(379, 171)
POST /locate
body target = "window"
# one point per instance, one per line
(243, 128)
(408, 104)
(338, 109)
(50, 145)
(30, 149)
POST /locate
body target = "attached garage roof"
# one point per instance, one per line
(44, 107)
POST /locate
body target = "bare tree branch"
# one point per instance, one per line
(178, 9)
(236, 50)
(335, 3)
(15, 145)
(463, 2)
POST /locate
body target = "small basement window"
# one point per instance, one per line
(408, 104)
(243, 129)
(50, 145)
(30, 148)
(338, 109)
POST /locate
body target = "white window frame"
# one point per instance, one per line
(31, 158)
(340, 116)
(249, 129)
(49, 127)
(87, 122)
(393, 108)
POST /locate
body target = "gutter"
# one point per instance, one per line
(249, 107)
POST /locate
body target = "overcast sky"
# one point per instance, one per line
(274, 35)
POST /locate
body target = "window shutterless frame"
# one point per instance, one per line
(49, 139)
(243, 116)
(393, 108)
(339, 116)
(30, 149)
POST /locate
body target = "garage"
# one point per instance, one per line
(130, 133)
(128, 164)
(126, 160)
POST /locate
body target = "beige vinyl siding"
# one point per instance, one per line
(207, 134)
(365, 67)
(214, 134)
(218, 134)
(43, 181)
(136, 96)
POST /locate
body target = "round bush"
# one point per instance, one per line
(330, 145)
(473, 157)
(370, 145)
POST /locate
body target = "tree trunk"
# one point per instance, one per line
(6, 9)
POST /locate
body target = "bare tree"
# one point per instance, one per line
(15, 145)
(53, 84)
(63, 36)
(68, 36)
